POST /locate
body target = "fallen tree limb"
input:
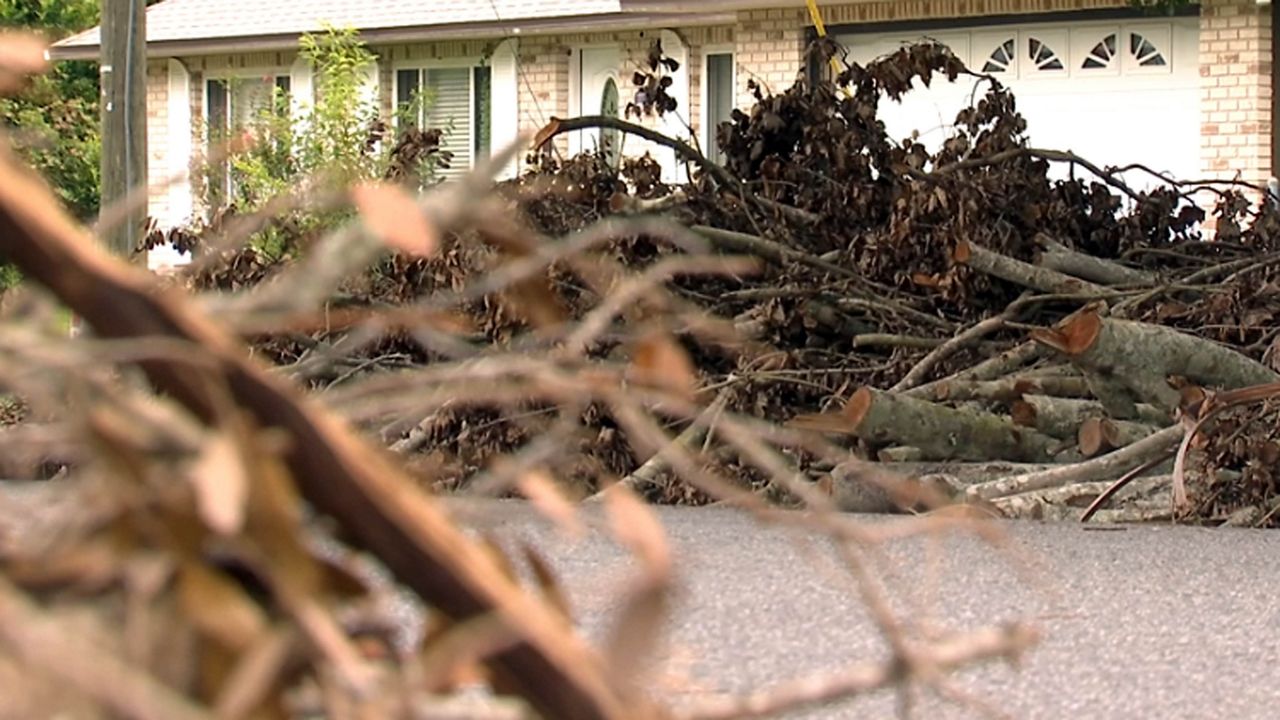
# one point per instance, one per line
(1038, 505)
(1157, 445)
(1117, 398)
(1056, 256)
(1021, 273)
(1098, 436)
(1012, 388)
(648, 472)
(1143, 357)
(939, 432)
(770, 250)
(1003, 364)
(969, 337)
(1061, 417)
(338, 473)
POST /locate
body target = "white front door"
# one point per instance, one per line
(596, 90)
(1114, 92)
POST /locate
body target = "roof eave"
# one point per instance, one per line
(384, 36)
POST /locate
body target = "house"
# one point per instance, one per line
(1191, 93)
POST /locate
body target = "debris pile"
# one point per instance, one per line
(959, 305)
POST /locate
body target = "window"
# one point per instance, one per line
(1101, 55)
(719, 100)
(1144, 51)
(456, 100)
(1042, 55)
(236, 104)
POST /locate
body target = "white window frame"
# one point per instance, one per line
(468, 62)
(706, 133)
(232, 75)
(229, 75)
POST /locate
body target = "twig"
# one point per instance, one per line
(660, 461)
(988, 369)
(947, 349)
(1095, 469)
(336, 471)
(1006, 643)
(43, 643)
(1105, 496)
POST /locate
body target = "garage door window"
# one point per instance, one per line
(1001, 59)
(1144, 52)
(1102, 54)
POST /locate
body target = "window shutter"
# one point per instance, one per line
(449, 109)
(482, 115)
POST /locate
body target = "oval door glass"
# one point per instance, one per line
(610, 138)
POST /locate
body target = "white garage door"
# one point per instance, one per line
(1113, 92)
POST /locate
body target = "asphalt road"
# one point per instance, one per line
(1143, 622)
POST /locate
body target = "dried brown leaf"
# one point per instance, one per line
(637, 630)
(547, 132)
(219, 608)
(221, 482)
(548, 583)
(659, 361)
(392, 214)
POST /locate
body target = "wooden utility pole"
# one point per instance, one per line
(124, 116)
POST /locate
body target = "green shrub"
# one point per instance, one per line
(340, 139)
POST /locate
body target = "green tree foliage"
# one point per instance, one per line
(55, 121)
(336, 139)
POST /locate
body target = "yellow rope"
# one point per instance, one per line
(816, 16)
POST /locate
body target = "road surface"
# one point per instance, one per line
(1143, 622)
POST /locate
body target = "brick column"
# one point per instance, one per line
(544, 84)
(158, 137)
(1235, 90)
(771, 46)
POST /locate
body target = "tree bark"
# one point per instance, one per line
(1143, 357)
(941, 432)
(1061, 417)
(1098, 436)
(1102, 468)
(1022, 273)
(1055, 256)
(1012, 388)
(989, 369)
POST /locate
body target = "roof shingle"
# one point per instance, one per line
(183, 20)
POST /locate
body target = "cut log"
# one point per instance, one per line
(1106, 467)
(1098, 436)
(964, 474)
(1065, 503)
(1116, 397)
(1022, 273)
(899, 454)
(989, 369)
(1056, 256)
(1143, 357)
(939, 432)
(866, 487)
(1012, 388)
(1062, 417)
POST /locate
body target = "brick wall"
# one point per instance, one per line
(1235, 51)
(1235, 90)
(157, 137)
